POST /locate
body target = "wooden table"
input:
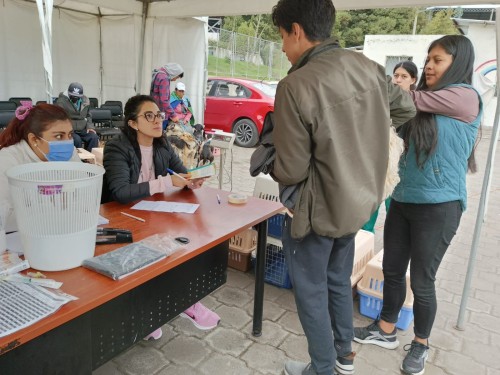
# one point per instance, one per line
(110, 316)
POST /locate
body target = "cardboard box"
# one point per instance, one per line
(86, 156)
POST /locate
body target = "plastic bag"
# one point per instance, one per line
(162, 242)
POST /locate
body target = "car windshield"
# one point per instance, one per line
(266, 89)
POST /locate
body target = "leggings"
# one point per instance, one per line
(420, 233)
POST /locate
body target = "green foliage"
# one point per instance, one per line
(259, 25)
(440, 24)
(352, 26)
(243, 69)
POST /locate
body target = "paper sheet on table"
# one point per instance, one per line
(14, 243)
(162, 206)
(24, 304)
(102, 220)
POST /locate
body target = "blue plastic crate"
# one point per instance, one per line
(276, 270)
(275, 225)
(372, 306)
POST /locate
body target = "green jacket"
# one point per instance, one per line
(82, 119)
(332, 118)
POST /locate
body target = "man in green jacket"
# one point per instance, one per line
(77, 106)
(332, 116)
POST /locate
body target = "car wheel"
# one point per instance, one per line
(246, 133)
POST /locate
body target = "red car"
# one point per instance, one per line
(238, 106)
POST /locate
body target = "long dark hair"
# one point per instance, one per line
(38, 120)
(422, 128)
(132, 108)
(410, 67)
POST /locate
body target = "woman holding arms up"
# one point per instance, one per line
(428, 202)
(136, 163)
(405, 75)
(36, 134)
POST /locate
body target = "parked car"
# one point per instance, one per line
(238, 106)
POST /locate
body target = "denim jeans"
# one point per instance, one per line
(91, 140)
(320, 270)
(420, 233)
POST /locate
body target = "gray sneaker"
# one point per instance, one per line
(298, 368)
(374, 335)
(345, 365)
(414, 362)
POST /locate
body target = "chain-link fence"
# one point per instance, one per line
(237, 55)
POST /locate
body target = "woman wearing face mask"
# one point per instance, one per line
(136, 165)
(36, 134)
(428, 202)
(405, 75)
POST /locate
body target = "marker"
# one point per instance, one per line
(218, 198)
(175, 174)
(133, 217)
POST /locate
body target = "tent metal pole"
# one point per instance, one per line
(145, 9)
(101, 67)
(484, 198)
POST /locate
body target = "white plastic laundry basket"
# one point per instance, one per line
(57, 208)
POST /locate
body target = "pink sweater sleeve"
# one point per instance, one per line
(461, 103)
(160, 184)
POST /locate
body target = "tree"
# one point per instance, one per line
(352, 26)
(440, 23)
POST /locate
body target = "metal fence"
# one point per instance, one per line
(238, 55)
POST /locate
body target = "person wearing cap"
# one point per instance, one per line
(160, 89)
(77, 107)
(179, 93)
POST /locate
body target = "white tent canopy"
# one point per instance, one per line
(99, 47)
(191, 8)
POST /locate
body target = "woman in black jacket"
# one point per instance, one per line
(137, 162)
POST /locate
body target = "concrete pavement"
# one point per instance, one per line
(230, 349)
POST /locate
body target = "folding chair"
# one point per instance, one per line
(7, 106)
(18, 100)
(94, 103)
(5, 118)
(103, 123)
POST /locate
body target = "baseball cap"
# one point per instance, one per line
(180, 86)
(75, 89)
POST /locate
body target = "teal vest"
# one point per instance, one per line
(442, 177)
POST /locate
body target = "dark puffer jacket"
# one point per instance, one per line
(122, 162)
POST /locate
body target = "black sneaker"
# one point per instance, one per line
(414, 362)
(374, 335)
(345, 365)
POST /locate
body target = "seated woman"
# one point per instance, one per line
(136, 163)
(183, 114)
(36, 134)
(186, 139)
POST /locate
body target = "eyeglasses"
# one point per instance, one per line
(150, 116)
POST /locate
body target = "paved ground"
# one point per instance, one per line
(230, 349)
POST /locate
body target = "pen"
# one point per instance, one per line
(218, 198)
(175, 174)
(133, 217)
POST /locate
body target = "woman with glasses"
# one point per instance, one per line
(136, 160)
(136, 163)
